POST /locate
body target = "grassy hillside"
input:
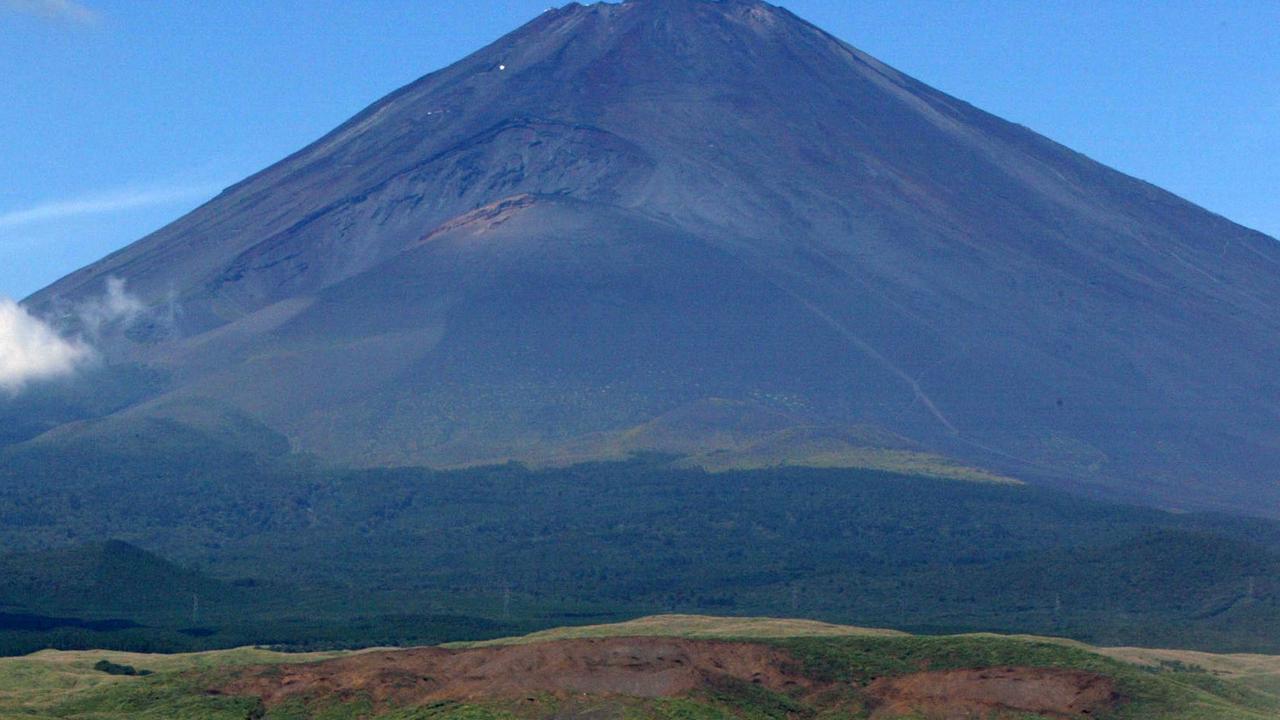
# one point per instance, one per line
(693, 626)
(841, 668)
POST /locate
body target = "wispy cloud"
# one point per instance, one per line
(104, 203)
(63, 11)
(115, 304)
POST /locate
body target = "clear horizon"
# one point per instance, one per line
(122, 117)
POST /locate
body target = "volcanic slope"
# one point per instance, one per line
(695, 226)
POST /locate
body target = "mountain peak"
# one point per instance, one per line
(723, 5)
(693, 10)
(693, 3)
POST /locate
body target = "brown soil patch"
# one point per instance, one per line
(962, 694)
(659, 667)
(638, 667)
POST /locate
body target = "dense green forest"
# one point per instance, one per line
(173, 541)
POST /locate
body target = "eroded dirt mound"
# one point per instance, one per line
(959, 694)
(641, 667)
(663, 667)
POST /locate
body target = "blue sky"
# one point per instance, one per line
(118, 116)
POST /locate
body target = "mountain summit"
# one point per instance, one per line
(711, 228)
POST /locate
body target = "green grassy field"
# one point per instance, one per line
(58, 684)
(1154, 684)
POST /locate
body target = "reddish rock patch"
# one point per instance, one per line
(484, 219)
(965, 694)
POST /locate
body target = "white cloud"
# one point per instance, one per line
(67, 11)
(31, 350)
(103, 203)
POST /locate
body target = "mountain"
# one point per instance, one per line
(704, 226)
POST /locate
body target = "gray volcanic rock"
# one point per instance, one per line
(622, 211)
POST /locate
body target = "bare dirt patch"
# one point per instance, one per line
(987, 692)
(637, 667)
